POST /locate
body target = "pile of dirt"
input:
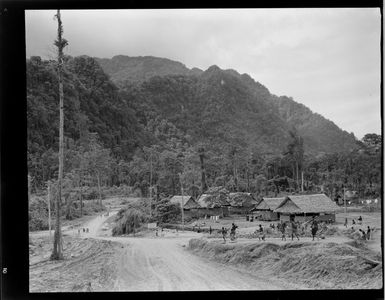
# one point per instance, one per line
(315, 265)
(86, 261)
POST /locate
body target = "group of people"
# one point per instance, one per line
(365, 234)
(359, 221)
(282, 227)
(85, 230)
(291, 229)
(232, 232)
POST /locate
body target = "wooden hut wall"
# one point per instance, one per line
(284, 218)
(303, 218)
(268, 215)
(238, 210)
(217, 211)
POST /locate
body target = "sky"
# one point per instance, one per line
(325, 58)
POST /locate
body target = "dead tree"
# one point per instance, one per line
(201, 152)
(60, 43)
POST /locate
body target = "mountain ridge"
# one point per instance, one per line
(284, 107)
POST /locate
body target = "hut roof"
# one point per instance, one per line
(178, 199)
(269, 203)
(212, 201)
(188, 201)
(307, 204)
(191, 203)
(242, 199)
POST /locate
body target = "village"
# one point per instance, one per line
(162, 173)
(212, 212)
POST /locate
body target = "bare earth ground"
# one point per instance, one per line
(145, 263)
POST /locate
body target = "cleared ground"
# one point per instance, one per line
(169, 263)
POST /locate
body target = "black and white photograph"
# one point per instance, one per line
(204, 149)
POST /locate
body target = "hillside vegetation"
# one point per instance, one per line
(150, 121)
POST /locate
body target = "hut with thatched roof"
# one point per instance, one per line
(265, 208)
(188, 202)
(241, 203)
(304, 207)
(214, 202)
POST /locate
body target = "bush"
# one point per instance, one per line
(38, 214)
(128, 221)
(166, 212)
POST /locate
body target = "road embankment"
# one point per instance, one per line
(311, 264)
(86, 260)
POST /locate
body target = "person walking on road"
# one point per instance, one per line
(224, 233)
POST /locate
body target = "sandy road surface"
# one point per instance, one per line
(164, 264)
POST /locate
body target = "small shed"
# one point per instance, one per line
(241, 203)
(266, 208)
(303, 207)
(188, 202)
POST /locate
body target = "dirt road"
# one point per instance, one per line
(164, 264)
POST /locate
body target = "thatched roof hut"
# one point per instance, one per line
(268, 204)
(318, 203)
(188, 201)
(213, 201)
(242, 200)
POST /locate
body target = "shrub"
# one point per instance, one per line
(167, 212)
(128, 221)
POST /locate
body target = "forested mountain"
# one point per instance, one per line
(123, 69)
(147, 121)
(226, 104)
(320, 135)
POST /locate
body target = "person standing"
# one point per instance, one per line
(368, 233)
(232, 231)
(210, 230)
(314, 228)
(283, 229)
(346, 222)
(261, 235)
(294, 230)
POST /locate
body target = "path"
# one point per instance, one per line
(164, 264)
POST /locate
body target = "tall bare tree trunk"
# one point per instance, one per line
(150, 184)
(81, 198)
(57, 252)
(203, 172)
(49, 209)
(100, 194)
(29, 189)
